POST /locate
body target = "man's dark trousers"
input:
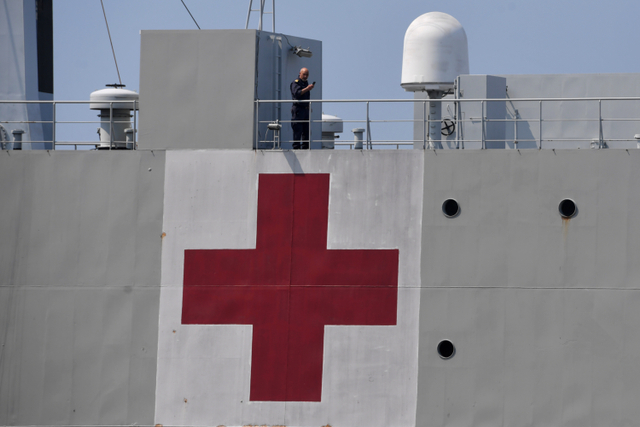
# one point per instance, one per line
(300, 126)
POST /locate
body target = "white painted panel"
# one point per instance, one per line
(370, 372)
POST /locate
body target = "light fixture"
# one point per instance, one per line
(301, 52)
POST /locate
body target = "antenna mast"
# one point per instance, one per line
(262, 13)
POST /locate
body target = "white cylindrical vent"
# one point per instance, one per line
(115, 107)
(330, 126)
(358, 138)
(435, 53)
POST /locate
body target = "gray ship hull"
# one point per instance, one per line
(540, 309)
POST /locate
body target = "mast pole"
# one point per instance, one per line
(246, 26)
(262, 13)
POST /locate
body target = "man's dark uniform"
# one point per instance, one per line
(300, 114)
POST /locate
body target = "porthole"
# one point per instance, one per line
(450, 208)
(567, 208)
(446, 349)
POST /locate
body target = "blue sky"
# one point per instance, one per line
(362, 39)
(362, 43)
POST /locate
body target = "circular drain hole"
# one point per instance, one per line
(446, 349)
(450, 208)
(567, 208)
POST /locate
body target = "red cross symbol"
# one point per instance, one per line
(290, 287)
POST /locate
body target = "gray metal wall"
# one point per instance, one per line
(542, 311)
(468, 130)
(79, 286)
(189, 95)
(576, 86)
(191, 98)
(277, 68)
(565, 124)
(482, 87)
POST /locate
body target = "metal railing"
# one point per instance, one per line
(479, 123)
(611, 122)
(54, 127)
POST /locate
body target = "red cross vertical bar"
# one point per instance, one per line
(290, 287)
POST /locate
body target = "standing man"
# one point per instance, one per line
(300, 90)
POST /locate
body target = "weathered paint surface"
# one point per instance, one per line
(366, 374)
(290, 287)
(79, 286)
(543, 311)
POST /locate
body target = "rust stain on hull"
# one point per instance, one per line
(565, 227)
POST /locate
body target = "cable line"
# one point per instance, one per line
(110, 41)
(194, 19)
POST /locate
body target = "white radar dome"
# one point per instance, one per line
(435, 53)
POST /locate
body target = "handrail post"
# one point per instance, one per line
(310, 102)
(515, 128)
(256, 124)
(600, 135)
(368, 129)
(135, 123)
(540, 125)
(482, 117)
(424, 125)
(457, 124)
(457, 113)
(53, 132)
(110, 125)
